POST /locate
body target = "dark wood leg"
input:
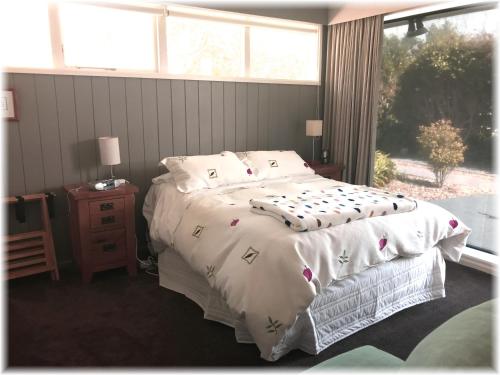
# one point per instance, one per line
(54, 275)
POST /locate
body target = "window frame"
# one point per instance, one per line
(160, 25)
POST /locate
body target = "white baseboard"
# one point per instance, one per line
(480, 260)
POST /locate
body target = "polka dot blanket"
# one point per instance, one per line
(311, 210)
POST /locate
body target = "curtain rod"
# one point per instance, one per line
(472, 7)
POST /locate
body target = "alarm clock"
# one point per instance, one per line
(325, 156)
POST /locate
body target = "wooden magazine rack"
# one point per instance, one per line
(31, 252)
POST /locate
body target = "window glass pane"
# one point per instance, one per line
(26, 34)
(205, 48)
(107, 38)
(283, 54)
(435, 120)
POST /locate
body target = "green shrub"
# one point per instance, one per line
(385, 169)
(443, 148)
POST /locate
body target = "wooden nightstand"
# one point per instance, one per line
(102, 228)
(333, 171)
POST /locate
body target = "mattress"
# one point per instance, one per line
(341, 309)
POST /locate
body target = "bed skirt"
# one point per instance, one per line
(343, 308)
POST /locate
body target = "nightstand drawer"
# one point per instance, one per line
(106, 220)
(107, 205)
(108, 247)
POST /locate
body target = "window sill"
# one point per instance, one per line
(154, 75)
(479, 260)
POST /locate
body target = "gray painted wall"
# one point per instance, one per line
(60, 116)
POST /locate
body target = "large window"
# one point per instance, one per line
(436, 128)
(285, 54)
(99, 37)
(26, 36)
(162, 40)
(205, 48)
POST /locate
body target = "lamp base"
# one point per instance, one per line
(314, 138)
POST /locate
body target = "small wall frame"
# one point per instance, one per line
(8, 105)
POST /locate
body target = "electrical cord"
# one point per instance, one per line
(150, 265)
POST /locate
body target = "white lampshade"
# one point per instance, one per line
(314, 128)
(109, 149)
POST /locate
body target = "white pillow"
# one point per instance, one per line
(166, 177)
(275, 164)
(197, 172)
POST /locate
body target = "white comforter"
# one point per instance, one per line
(268, 273)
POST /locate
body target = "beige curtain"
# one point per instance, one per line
(351, 95)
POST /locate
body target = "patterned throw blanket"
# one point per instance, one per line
(312, 210)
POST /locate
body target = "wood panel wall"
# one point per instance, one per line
(54, 141)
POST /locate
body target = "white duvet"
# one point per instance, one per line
(269, 273)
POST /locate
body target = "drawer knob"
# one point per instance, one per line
(109, 247)
(108, 220)
(106, 206)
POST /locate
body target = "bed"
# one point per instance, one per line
(282, 289)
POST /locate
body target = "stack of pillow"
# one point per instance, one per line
(192, 173)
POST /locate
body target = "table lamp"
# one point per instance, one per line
(109, 149)
(314, 128)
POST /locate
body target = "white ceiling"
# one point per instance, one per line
(322, 12)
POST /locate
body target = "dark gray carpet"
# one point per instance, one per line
(122, 321)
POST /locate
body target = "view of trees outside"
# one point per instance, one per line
(435, 131)
(213, 48)
(208, 48)
(283, 54)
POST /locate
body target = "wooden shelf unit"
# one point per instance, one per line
(29, 253)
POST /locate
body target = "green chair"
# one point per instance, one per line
(463, 341)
